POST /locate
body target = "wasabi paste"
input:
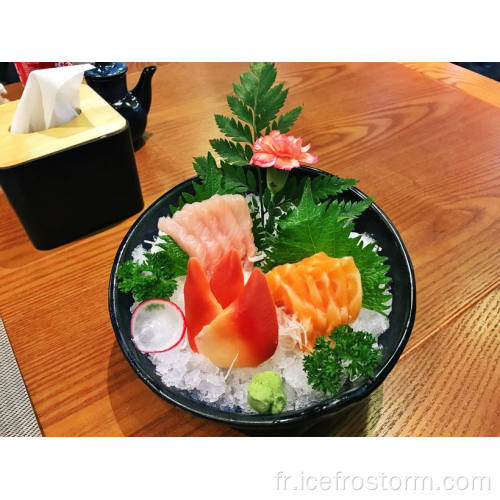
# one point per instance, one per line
(266, 393)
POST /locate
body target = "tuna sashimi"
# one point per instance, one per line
(207, 229)
(322, 292)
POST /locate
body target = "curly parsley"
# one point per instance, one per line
(344, 354)
(154, 278)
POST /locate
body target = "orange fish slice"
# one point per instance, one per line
(321, 291)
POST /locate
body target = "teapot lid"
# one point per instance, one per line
(106, 70)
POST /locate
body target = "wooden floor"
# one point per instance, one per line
(423, 138)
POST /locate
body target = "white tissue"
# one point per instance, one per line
(3, 92)
(51, 98)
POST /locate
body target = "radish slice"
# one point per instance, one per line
(157, 325)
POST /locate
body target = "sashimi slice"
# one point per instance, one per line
(322, 292)
(201, 306)
(241, 214)
(245, 334)
(207, 229)
(354, 289)
(190, 243)
(227, 279)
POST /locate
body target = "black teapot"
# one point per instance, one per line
(109, 80)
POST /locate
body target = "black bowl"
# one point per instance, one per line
(373, 221)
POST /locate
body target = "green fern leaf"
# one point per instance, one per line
(233, 129)
(285, 122)
(324, 186)
(240, 109)
(233, 153)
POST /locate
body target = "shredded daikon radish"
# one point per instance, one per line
(257, 258)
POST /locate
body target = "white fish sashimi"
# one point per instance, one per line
(208, 229)
(244, 222)
(188, 242)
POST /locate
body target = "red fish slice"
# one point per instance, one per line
(227, 279)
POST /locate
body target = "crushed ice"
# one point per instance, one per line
(186, 370)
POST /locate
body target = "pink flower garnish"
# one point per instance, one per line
(281, 151)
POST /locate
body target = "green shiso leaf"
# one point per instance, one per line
(323, 187)
(312, 228)
(345, 353)
(210, 182)
(374, 278)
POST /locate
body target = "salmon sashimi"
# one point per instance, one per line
(207, 229)
(321, 291)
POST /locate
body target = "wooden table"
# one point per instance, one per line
(424, 138)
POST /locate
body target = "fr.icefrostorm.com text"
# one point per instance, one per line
(341, 481)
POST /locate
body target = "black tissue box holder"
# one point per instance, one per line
(70, 181)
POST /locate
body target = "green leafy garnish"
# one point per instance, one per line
(228, 179)
(324, 227)
(285, 122)
(210, 182)
(178, 257)
(344, 354)
(324, 186)
(349, 210)
(323, 367)
(358, 351)
(237, 131)
(154, 278)
(256, 103)
(281, 204)
(232, 152)
(237, 179)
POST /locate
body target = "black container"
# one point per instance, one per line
(372, 221)
(109, 80)
(71, 193)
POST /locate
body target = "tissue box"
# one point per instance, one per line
(69, 181)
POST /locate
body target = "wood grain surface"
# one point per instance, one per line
(424, 144)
